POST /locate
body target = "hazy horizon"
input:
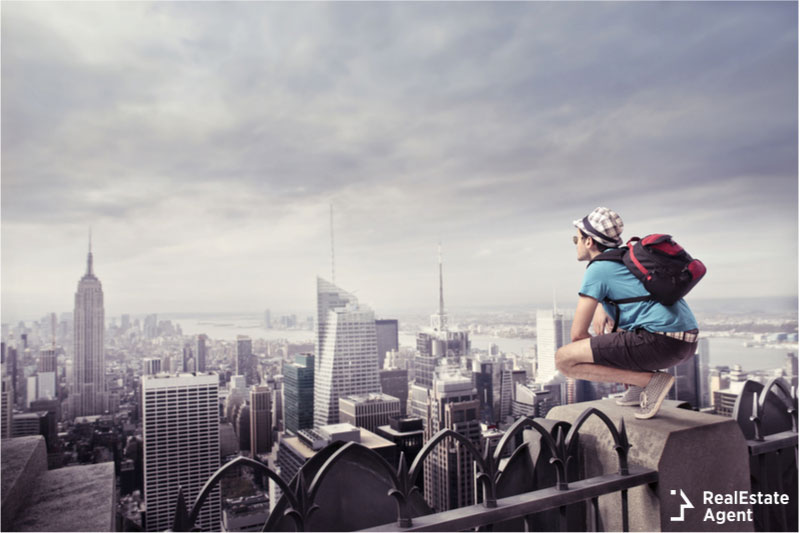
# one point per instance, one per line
(728, 306)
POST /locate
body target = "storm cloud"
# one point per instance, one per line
(203, 143)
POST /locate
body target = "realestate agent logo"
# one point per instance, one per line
(686, 505)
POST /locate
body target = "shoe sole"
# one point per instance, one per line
(658, 402)
(629, 403)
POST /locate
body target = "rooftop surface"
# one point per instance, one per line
(371, 397)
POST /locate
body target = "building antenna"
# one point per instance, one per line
(89, 257)
(441, 289)
(53, 327)
(333, 263)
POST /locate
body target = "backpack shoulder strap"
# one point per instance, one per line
(615, 305)
(614, 254)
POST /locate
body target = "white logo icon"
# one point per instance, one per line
(684, 506)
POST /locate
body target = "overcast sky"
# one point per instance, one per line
(204, 143)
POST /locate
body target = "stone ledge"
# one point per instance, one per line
(692, 451)
(24, 460)
(76, 498)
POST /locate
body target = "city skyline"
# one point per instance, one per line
(204, 145)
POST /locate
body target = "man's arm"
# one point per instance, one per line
(601, 323)
(583, 318)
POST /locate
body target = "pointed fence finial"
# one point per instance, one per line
(756, 419)
(180, 520)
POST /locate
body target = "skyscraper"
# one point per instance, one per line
(552, 332)
(276, 384)
(244, 359)
(347, 351)
(535, 399)
(387, 334)
(435, 345)
(260, 420)
(181, 445)
(151, 326)
(88, 375)
(47, 373)
(188, 363)
(703, 373)
(152, 366)
(13, 371)
(394, 382)
(494, 386)
(449, 473)
(790, 369)
(7, 413)
(298, 393)
(202, 352)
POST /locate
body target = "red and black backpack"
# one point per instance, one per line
(665, 269)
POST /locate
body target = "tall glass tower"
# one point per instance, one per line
(552, 332)
(298, 393)
(244, 359)
(88, 376)
(347, 351)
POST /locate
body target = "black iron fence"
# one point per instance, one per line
(547, 495)
(769, 424)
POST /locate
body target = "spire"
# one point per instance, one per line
(333, 269)
(439, 320)
(53, 327)
(89, 257)
(441, 290)
(555, 302)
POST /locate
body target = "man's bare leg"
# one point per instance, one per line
(575, 360)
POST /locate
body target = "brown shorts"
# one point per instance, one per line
(640, 350)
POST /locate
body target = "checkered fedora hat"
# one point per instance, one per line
(603, 225)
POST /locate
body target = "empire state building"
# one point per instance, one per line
(88, 376)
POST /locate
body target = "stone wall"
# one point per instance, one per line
(693, 452)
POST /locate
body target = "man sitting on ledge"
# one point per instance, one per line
(650, 336)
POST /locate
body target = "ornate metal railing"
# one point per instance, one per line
(771, 433)
(558, 449)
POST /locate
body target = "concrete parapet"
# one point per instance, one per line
(693, 452)
(24, 460)
(76, 498)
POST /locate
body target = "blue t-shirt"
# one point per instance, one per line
(613, 280)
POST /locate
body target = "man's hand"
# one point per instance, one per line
(601, 322)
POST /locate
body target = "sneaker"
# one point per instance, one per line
(632, 396)
(654, 394)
